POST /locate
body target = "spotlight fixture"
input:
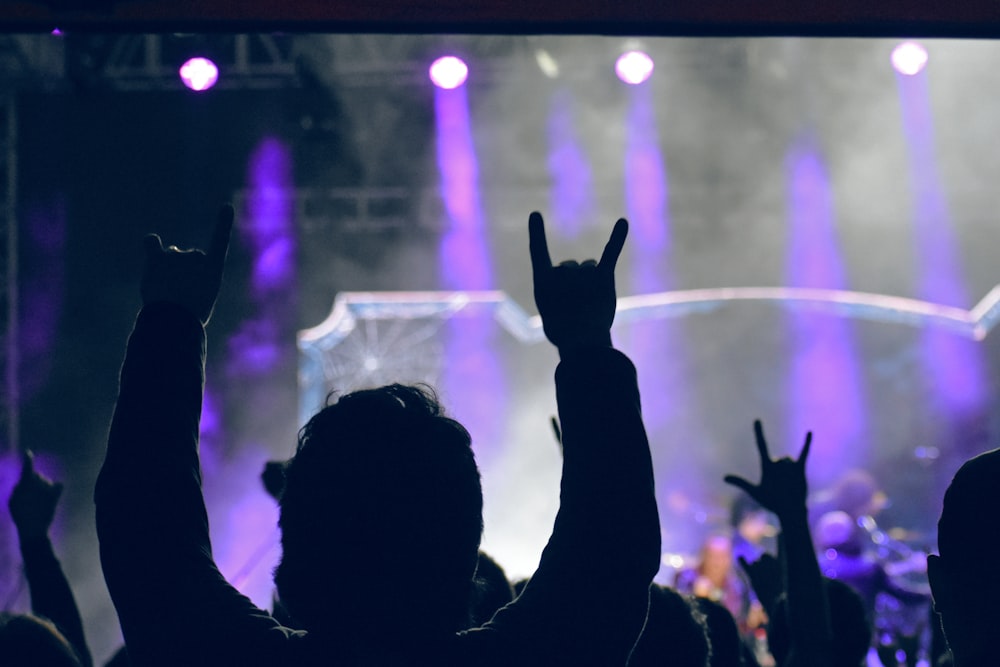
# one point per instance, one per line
(634, 67)
(448, 72)
(909, 58)
(199, 74)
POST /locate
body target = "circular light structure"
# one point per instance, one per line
(448, 72)
(909, 58)
(199, 74)
(634, 67)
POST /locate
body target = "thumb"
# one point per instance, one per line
(739, 482)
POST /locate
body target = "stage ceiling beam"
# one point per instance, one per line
(911, 18)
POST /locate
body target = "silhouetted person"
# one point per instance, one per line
(849, 623)
(782, 489)
(964, 578)
(29, 641)
(675, 632)
(374, 471)
(32, 505)
(841, 544)
(492, 590)
(723, 635)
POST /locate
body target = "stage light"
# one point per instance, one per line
(448, 72)
(199, 74)
(634, 67)
(909, 58)
(546, 63)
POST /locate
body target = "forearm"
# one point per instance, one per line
(51, 595)
(607, 521)
(151, 519)
(607, 492)
(808, 611)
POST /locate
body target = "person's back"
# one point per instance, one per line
(965, 581)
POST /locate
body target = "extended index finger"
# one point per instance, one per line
(219, 245)
(758, 432)
(805, 449)
(538, 247)
(609, 258)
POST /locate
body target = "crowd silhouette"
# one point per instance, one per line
(386, 465)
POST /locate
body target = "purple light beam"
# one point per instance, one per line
(824, 390)
(474, 385)
(572, 180)
(956, 367)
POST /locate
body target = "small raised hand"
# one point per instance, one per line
(576, 300)
(766, 579)
(782, 488)
(190, 278)
(33, 501)
(273, 478)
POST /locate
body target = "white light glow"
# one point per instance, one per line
(199, 74)
(909, 58)
(634, 67)
(448, 72)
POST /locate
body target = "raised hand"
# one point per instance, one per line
(33, 501)
(576, 300)
(782, 488)
(273, 478)
(190, 278)
(766, 579)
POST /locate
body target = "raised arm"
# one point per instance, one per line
(782, 490)
(586, 603)
(173, 604)
(32, 506)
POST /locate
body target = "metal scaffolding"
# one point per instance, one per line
(9, 411)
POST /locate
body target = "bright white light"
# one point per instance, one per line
(448, 72)
(634, 67)
(547, 63)
(909, 58)
(199, 74)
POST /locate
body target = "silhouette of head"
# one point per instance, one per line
(849, 622)
(27, 640)
(381, 516)
(492, 589)
(723, 635)
(675, 632)
(964, 579)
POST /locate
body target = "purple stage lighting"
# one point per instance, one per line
(448, 72)
(909, 58)
(634, 67)
(199, 74)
